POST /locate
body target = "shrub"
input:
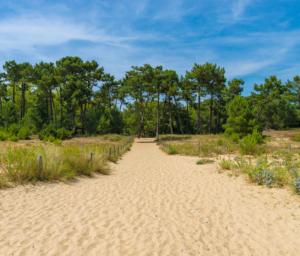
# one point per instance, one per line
(13, 129)
(3, 135)
(24, 133)
(297, 185)
(13, 138)
(63, 134)
(49, 133)
(240, 121)
(249, 145)
(205, 161)
(265, 177)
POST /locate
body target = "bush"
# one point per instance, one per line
(49, 133)
(13, 138)
(240, 121)
(24, 133)
(265, 177)
(249, 144)
(63, 134)
(13, 129)
(3, 135)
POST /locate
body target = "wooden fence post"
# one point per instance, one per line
(40, 165)
(92, 157)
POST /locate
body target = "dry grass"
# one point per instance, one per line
(39, 161)
(274, 163)
(197, 145)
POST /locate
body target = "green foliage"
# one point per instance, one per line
(240, 121)
(23, 164)
(264, 177)
(205, 161)
(3, 135)
(226, 164)
(81, 98)
(13, 129)
(249, 145)
(24, 133)
(170, 149)
(63, 134)
(50, 133)
(13, 138)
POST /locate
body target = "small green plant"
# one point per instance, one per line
(249, 145)
(265, 177)
(171, 149)
(226, 164)
(205, 161)
(281, 175)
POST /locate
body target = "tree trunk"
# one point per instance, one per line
(198, 111)
(14, 94)
(50, 107)
(60, 106)
(82, 117)
(210, 112)
(1, 107)
(170, 116)
(23, 100)
(157, 114)
(178, 115)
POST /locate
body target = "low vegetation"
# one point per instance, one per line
(38, 161)
(205, 161)
(272, 159)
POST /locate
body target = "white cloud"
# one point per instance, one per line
(24, 33)
(239, 7)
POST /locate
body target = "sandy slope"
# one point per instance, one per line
(154, 204)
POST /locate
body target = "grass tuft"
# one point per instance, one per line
(205, 161)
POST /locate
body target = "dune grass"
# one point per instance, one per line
(21, 164)
(197, 145)
(205, 161)
(274, 163)
(264, 171)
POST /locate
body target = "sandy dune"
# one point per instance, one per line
(153, 204)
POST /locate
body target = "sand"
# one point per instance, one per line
(153, 204)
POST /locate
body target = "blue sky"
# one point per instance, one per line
(252, 39)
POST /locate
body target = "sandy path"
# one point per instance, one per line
(154, 204)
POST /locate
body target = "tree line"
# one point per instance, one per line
(77, 97)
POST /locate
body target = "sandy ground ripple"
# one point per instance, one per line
(153, 204)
